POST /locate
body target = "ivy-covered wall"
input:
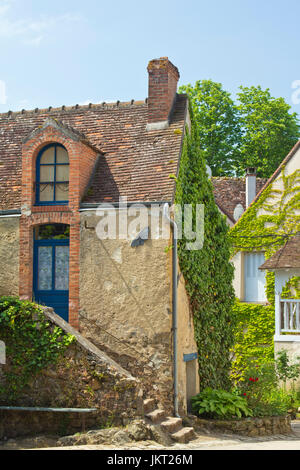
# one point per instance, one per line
(208, 272)
(265, 226)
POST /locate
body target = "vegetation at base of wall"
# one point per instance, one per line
(267, 231)
(264, 385)
(208, 272)
(32, 343)
(220, 404)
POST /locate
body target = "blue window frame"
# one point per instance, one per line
(52, 175)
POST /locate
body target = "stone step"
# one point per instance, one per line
(149, 405)
(172, 425)
(156, 416)
(184, 435)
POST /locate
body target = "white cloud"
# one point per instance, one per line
(30, 31)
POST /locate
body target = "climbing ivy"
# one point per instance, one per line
(265, 226)
(208, 272)
(32, 343)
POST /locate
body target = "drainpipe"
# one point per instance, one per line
(166, 215)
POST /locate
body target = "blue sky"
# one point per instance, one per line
(56, 52)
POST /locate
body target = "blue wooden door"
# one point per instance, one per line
(51, 275)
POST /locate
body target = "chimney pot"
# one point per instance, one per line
(250, 185)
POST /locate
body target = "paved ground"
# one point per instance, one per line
(202, 442)
(221, 442)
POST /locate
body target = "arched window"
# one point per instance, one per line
(52, 175)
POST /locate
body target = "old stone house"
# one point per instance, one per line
(56, 167)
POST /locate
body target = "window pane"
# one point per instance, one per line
(46, 173)
(45, 268)
(48, 156)
(62, 268)
(254, 278)
(52, 232)
(61, 155)
(62, 173)
(62, 192)
(46, 192)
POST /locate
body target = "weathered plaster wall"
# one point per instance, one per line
(9, 255)
(125, 305)
(188, 375)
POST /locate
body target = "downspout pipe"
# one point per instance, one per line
(166, 215)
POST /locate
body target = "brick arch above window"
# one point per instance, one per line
(82, 158)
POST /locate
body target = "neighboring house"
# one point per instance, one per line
(271, 223)
(233, 195)
(57, 166)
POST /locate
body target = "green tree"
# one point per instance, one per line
(258, 130)
(208, 272)
(269, 130)
(218, 127)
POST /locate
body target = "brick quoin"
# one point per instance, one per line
(82, 160)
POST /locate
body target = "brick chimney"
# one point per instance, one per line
(163, 79)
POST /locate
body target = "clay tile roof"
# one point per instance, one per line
(229, 192)
(287, 257)
(135, 163)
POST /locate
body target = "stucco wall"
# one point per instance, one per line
(188, 374)
(125, 305)
(9, 256)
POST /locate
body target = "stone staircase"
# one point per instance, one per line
(173, 426)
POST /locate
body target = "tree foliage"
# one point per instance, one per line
(256, 131)
(217, 122)
(269, 130)
(208, 272)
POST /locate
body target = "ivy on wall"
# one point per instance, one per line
(208, 272)
(265, 226)
(32, 343)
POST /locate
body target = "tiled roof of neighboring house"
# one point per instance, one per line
(229, 192)
(287, 257)
(135, 163)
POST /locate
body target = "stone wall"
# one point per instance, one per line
(251, 427)
(84, 377)
(125, 300)
(9, 255)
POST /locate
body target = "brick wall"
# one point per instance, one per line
(82, 160)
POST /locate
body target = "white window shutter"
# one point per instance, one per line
(255, 280)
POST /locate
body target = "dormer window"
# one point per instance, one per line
(52, 175)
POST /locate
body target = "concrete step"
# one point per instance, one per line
(156, 416)
(149, 405)
(184, 435)
(172, 425)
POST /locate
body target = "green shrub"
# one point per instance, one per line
(261, 387)
(220, 404)
(32, 343)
